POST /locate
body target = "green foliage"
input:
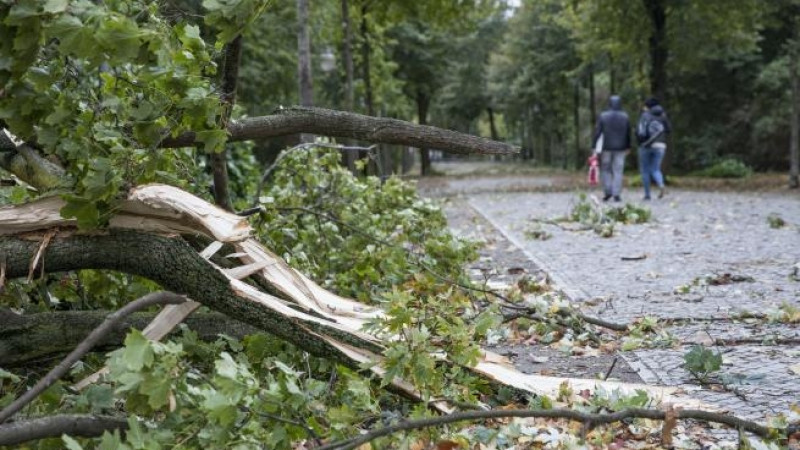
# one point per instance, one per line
(603, 219)
(84, 289)
(775, 221)
(537, 233)
(727, 168)
(702, 362)
(629, 214)
(357, 237)
(441, 321)
(101, 85)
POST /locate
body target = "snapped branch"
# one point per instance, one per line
(327, 122)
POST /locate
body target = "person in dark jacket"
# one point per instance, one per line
(614, 128)
(651, 131)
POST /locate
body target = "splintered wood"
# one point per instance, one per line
(321, 314)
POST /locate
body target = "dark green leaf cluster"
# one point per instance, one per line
(359, 237)
(702, 362)
(98, 86)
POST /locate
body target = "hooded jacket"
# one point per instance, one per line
(658, 126)
(615, 127)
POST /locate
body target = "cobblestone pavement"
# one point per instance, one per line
(659, 269)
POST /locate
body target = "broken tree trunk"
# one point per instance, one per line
(144, 238)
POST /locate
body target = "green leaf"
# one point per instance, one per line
(4, 374)
(157, 388)
(100, 397)
(55, 6)
(213, 140)
(70, 443)
(138, 352)
(73, 37)
(83, 210)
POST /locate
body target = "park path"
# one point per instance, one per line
(658, 269)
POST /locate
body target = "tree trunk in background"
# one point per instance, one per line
(423, 102)
(219, 161)
(304, 61)
(658, 48)
(592, 104)
(576, 120)
(492, 125)
(612, 76)
(365, 53)
(794, 151)
(347, 55)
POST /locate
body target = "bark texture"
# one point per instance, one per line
(54, 426)
(172, 263)
(35, 338)
(333, 123)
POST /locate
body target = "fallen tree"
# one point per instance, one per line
(96, 131)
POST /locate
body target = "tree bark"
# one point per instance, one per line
(86, 345)
(658, 48)
(492, 124)
(29, 166)
(54, 426)
(26, 163)
(423, 102)
(328, 122)
(794, 144)
(177, 267)
(34, 338)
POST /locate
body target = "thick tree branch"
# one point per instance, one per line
(156, 298)
(332, 123)
(35, 338)
(560, 413)
(172, 263)
(29, 166)
(14, 433)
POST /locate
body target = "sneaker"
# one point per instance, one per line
(617, 198)
(662, 191)
(646, 198)
(606, 197)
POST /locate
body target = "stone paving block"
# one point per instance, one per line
(694, 236)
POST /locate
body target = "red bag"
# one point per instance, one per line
(594, 170)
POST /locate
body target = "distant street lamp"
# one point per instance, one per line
(327, 60)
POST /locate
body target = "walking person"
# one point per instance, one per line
(612, 139)
(651, 131)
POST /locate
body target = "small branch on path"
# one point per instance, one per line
(82, 425)
(561, 413)
(610, 369)
(766, 340)
(156, 298)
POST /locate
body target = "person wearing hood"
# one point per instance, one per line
(612, 139)
(651, 131)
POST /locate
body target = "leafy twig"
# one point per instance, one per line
(156, 298)
(562, 413)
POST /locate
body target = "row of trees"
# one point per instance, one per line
(538, 74)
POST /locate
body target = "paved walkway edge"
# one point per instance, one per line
(559, 282)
